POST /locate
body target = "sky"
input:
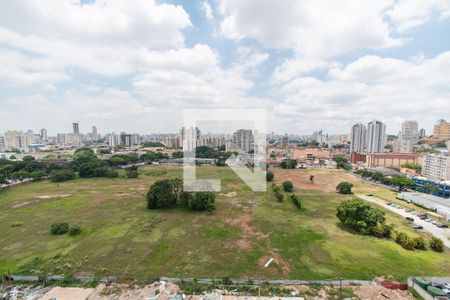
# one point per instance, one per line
(135, 65)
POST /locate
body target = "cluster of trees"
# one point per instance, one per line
(132, 172)
(400, 182)
(207, 152)
(62, 175)
(342, 162)
(153, 144)
(63, 228)
(19, 170)
(86, 163)
(363, 218)
(344, 188)
(369, 220)
(288, 164)
(168, 193)
(412, 166)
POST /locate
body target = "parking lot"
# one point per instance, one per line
(428, 224)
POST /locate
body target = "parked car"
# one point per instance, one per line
(434, 222)
(409, 219)
(427, 220)
(443, 226)
(417, 227)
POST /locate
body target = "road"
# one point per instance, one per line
(442, 233)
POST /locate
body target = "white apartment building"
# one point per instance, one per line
(409, 136)
(243, 141)
(436, 167)
(2, 143)
(358, 138)
(376, 137)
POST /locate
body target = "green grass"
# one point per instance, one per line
(121, 236)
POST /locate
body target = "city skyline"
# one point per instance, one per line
(390, 63)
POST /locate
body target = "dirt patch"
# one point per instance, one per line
(39, 199)
(68, 293)
(244, 244)
(231, 195)
(277, 261)
(244, 222)
(378, 292)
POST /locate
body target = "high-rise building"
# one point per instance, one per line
(76, 127)
(17, 139)
(376, 137)
(284, 142)
(94, 134)
(125, 139)
(243, 141)
(43, 135)
(436, 167)
(441, 130)
(113, 139)
(422, 133)
(190, 138)
(2, 143)
(408, 136)
(135, 139)
(358, 138)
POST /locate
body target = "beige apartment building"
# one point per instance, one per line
(442, 130)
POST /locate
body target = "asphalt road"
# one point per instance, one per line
(442, 233)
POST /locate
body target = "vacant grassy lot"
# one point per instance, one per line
(121, 236)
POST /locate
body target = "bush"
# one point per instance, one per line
(132, 174)
(16, 224)
(419, 243)
(203, 201)
(405, 241)
(59, 228)
(161, 195)
(288, 164)
(382, 230)
(288, 186)
(295, 200)
(62, 175)
(74, 230)
(344, 188)
(436, 244)
(269, 176)
(277, 192)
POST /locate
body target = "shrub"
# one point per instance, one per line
(436, 244)
(161, 195)
(288, 186)
(382, 230)
(419, 243)
(344, 188)
(405, 241)
(74, 230)
(269, 176)
(295, 200)
(59, 228)
(16, 224)
(203, 201)
(277, 192)
(132, 174)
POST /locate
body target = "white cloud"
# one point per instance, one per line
(317, 29)
(207, 10)
(407, 14)
(370, 87)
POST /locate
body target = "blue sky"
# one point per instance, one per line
(134, 66)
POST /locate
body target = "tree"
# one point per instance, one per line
(311, 178)
(3, 179)
(27, 158)
(74, 230)
(401, 182)
(436, 244)
(378, 176)
(288, 164)
(430, 188)
(361, 217)
(132, 172)
(161, 195)
(344, 188)
(62, 175)
(59, 228)
(269, 176)
(288, 186)
(405, 241)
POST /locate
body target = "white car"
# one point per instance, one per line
(427, 220)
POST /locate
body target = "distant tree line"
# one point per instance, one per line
(400, 182)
